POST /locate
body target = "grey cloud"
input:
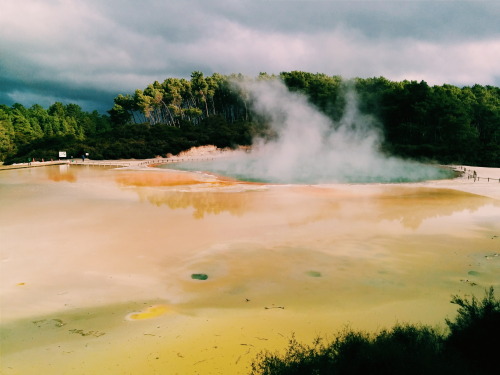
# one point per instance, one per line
(92, 50)
(431, 20)
(46, 93)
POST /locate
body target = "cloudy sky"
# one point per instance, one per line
(89, 51)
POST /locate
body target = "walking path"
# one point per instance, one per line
(31, 165)
(133, 163)
(196, 153)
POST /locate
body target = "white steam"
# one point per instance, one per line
(310, 148)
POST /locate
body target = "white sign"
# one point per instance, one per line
(62, 154)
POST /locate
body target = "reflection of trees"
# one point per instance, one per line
(157, 179)
(202, 202)
(408, 205)
(412, 206)
(60, 173)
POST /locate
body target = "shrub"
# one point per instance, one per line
(468, 348)
(475, 333)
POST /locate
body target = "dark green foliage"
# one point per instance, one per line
(443, 123)
(298, 359)
(141, 141)
(405, 349)
(39, 133)
(323, 91)
(48, 148)
(469, 348)
(475, 332)
(446, 124)
(215, 130)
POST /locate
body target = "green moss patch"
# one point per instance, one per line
(199, 276)
(313, 273)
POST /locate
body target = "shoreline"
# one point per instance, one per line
(286, 259)
(471, 179)
(486, 181)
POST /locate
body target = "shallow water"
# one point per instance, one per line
(97, 265)
(266, 169)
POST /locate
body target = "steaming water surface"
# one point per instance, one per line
(305, 146)
(256, 167)
(97, 265)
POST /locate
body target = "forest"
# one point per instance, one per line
(445, 124)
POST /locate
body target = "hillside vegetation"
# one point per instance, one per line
(446, 124)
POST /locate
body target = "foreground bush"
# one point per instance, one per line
(475, 333)
(468, 347)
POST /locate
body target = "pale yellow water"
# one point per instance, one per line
(96, 266)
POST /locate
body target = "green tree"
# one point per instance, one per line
(57, 109)
(200, 87)
(449, 124)
(7, 135)
(322, 90)
(475, 330)
(485, 113)
(24, 132)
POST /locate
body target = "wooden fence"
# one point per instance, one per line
(472, 175)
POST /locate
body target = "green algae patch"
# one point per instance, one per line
(313, 273)
(199, 276)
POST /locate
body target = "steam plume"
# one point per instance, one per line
(310, 148)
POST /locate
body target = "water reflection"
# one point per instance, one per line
(203, 202)
(210, 195)
(61, 173)
(151, 178)
(278, 259)
(206, 194)
(412, 206)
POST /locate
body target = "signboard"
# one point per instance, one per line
(62, 154)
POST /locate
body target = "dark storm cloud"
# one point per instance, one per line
(46, 93)
(427, 20)
(90, 51)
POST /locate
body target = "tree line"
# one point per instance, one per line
(446, 123)
(39, 132)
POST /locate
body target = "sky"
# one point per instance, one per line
(89, 51)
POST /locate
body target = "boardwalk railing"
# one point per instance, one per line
(101, 163)
(111, 163)
(175, 160)
(472, 175)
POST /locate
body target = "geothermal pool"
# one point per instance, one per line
(115, 271)
(258, 166)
